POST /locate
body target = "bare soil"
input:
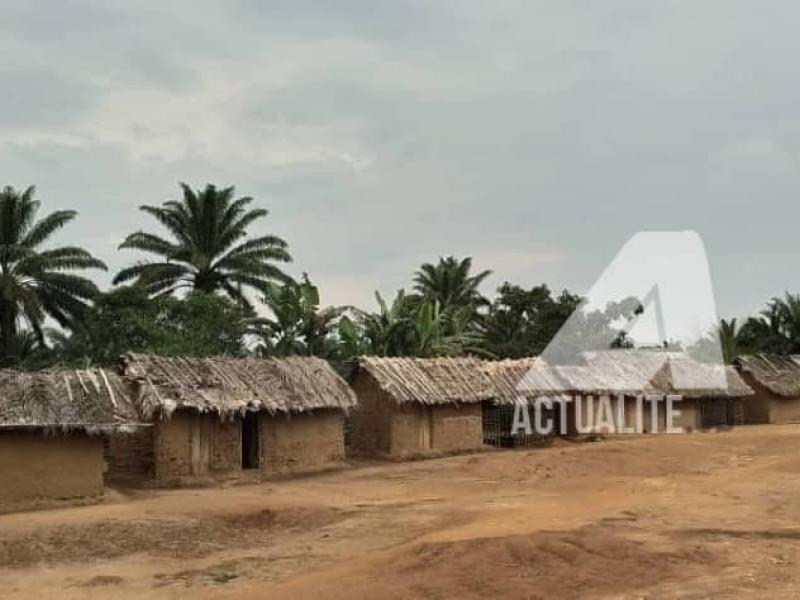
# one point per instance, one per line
(713, 515)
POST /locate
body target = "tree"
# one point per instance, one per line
(444, 333)
(776, 329)
(522, 322)
(208, 251)
(450, 283)
(298, 325)
(126, 319)
(410, 326)
(388, 331)
(728, 340)
(36, 283)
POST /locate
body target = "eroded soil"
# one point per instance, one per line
(712, 515)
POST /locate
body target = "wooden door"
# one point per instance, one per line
(200, 445)
(426, 428)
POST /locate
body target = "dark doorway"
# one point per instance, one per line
(251, 442)
(498, 421)
(717, 413)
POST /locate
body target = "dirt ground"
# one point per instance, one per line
(713, 515)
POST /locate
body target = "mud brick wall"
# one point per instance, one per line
(382, 427)
(34, 466)
(301, 442)
(784, 410)
(370, 419)
(130, 455)
(689, 418)
(756, 408)
(226, 445)
(195, 444)
(450, 428)
(173, 446)
(457, 427)
(407, 423)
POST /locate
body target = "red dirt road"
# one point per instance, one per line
(696, 516)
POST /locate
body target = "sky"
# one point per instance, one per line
(536, 137)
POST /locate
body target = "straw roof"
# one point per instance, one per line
(779, 374)
(507, 375)
(629, 372)
(430, 380)
(655, 372)
(236, 385)
(93, 400)
(692, 379)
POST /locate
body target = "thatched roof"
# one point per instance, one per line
(506, 376)
(691, 378)
(236, 385)
(630, 372)
(655, 372)
(779, 374)
(430, 380)
(93, 400)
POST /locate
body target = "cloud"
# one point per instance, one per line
(535, 136)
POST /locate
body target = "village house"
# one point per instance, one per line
(418, 406)
(500, 412)
(220, 418)
(776, 381)
(52, 425)
(710, 395)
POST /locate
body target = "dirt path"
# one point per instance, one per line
(696, 516)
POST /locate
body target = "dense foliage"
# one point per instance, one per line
(210, 250)
(128, 320)
(34, 282)
(196, 299)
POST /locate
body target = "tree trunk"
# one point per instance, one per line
(8, 332)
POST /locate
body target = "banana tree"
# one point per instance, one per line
(297, 325)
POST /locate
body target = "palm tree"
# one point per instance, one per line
(37, 283)
(728, 340)
(450, 283)
(208, 252)
(777, 329)
(789, 310)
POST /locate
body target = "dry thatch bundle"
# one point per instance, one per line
(779, 374)
(430, 380)
(93, 400)
(629, 372)
(231, 386)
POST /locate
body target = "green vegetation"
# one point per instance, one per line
(210, 250)
(37, 283)
(197, 299)
(776, 329)
(127, 320)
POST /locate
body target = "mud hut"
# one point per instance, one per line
(711, 395)
(624, 375)
(776, 381)
(418, 406)
(226, 417)
(52, 425)
(498, 414)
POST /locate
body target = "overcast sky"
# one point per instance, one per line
(536, 137)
